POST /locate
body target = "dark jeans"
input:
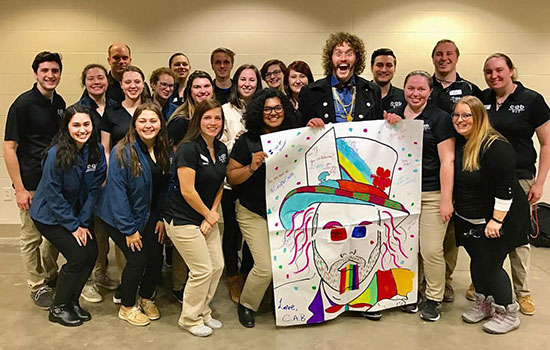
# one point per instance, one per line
(79, 265)
(143, 268)
(488, 275)
(232, 238)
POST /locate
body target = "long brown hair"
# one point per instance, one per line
(162, 146)
(187, 109)
(194, 129)
(481, 136)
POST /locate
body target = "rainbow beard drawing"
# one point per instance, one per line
(343, 213)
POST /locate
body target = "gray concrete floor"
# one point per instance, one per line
(27, 327)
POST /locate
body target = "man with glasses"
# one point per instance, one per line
(222, 60)
(342, 96)
(162, 82)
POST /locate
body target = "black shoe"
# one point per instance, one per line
(64, 315)
(178, 294)
(84, 315)
(430, 311)
(372, 315)
(43, 298)
(246, 316)
(410, 309)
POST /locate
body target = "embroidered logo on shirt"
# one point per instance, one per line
(204, 160)
(395, 104)
(427, 127)
(59, 112)
(516, 109)
(487, 107)
(222, 158)
(91, 167)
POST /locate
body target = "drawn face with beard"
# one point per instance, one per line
(346, 250)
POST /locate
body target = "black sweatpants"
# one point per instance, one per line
(143, 268)
(80, 262)
(232, 238)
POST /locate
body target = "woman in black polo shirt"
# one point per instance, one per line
(517, 113)
(269, 111)
(192, 214)
(437, 185)
(116, 120)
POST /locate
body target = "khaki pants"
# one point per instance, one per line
(39, 256)
(254, 230)
(520, 258)
(432, 235)
(179, 271)
(102, 240)
(203, 255)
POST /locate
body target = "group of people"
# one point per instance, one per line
(151, 170)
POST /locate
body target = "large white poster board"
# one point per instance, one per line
(342, 206)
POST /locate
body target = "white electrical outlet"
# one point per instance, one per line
(6, 193)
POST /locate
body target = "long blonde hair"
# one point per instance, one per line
(481, 136)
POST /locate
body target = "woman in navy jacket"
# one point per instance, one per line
(138, 180)
(63, 204)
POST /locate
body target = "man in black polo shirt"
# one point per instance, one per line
(222, 60)
(33, 120)
(119, 57)
(382, 66)
(342, 96)
(449, 87)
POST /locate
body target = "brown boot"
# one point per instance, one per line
(234, 287)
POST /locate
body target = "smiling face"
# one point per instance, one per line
(148, 126)
(383, 69)
(164, 87)
(341, 246)
(274, 114)
(211, 123)
(132, 85)
(274, 76)
(497, 74)
(417, 91)
(221, 64)
(180, 65)
(296, 81)
(463, 120)
(80, 128)
(343, 61)
(96, 82)
(445, 58)
(201, 89)
(119, 58)
(48, 76)
(247, 83)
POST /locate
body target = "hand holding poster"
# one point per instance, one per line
(342, 208)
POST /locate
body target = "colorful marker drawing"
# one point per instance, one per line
(343, 204)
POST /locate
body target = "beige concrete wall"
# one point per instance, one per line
(257, 30)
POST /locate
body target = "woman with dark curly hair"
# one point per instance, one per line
(342, 96)
(273, 72)
(269, 111)
(299, 75)
(63, 205)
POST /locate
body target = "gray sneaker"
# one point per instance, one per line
(482, 309)
(105, 282)
(504, 320)
(43, 298)
(430, 311)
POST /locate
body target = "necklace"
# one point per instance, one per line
(346, 108)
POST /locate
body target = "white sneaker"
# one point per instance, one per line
(213, 323)
(199, 331)
(90, 293)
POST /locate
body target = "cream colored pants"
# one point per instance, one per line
(203, 255)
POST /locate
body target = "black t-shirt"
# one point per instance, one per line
(177, 128)
(222, 95)
(445, 98)
(32, 121)
(156, 174)
(208, 179)
(517, 119)
(116, 121)
(394, 99)
(251, 193)
(175, 98)
(438, 127)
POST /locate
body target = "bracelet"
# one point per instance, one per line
(496, 220)
(252, 171)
